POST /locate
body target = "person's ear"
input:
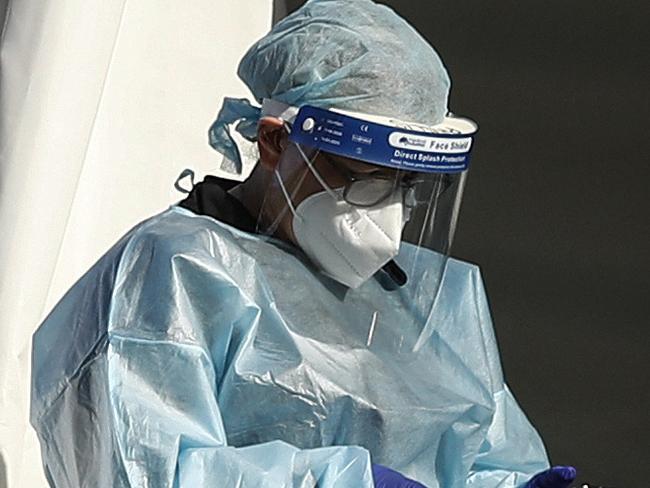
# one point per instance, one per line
(271, 141)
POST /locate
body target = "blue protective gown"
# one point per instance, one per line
(194, 354)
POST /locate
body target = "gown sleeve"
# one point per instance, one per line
(126, 375)
(512, 451)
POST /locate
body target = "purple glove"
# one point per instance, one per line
(387, 478)
(556, 477)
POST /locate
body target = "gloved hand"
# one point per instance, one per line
(387, 478)
(556, 477)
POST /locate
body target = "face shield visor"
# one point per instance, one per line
(372, 201)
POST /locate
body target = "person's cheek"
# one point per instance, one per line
(301, 183)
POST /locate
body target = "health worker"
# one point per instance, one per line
(298, 323)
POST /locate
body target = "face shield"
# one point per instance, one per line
(371, 201)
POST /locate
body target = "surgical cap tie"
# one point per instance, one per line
(234, 134)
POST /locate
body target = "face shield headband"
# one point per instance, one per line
(441, 148)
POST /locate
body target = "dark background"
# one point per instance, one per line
(556, 210)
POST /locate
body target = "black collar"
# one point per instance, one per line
(211, 197)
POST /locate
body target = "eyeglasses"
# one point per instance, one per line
(370, 189)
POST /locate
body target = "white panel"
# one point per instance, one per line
(103, 104)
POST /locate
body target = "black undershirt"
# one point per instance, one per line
(211, 197)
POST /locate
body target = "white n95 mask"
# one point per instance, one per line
(348, 243)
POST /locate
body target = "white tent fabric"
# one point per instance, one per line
(104, 103)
